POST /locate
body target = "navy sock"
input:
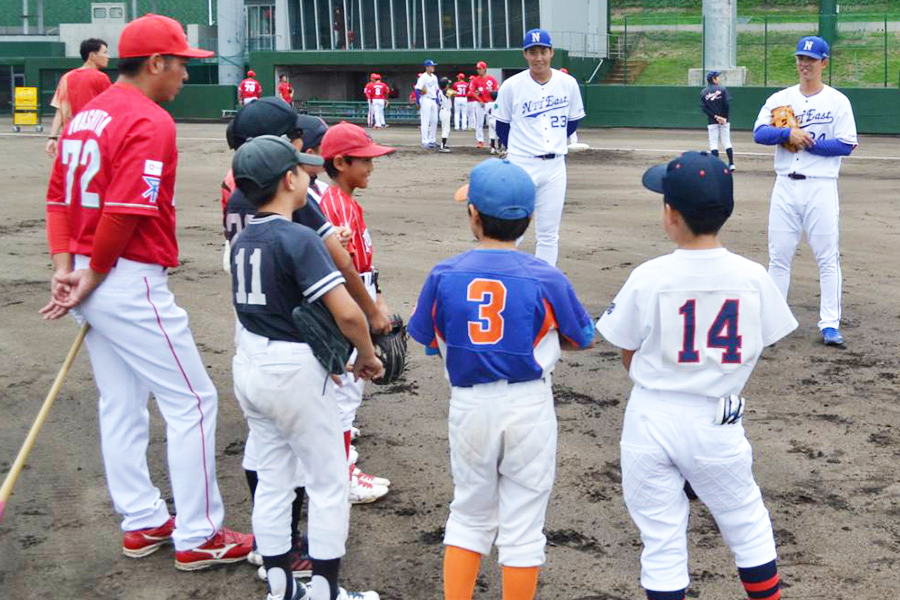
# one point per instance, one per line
(730, 154)
(677, 595)
(715, 152)
(297, 514)
(252, 480)
(328, 569)
(762, 582)
(278, 573)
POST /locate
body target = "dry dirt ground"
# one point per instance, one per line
(824, 422)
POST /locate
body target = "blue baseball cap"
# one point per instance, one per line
(710, 75)
(812, 46)
(536, 37)
(497, 188)
(430, 63)
(694, 183)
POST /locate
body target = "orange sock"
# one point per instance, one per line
(520, 583)
(460, 572)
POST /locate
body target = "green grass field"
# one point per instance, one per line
(856, 61)
(689, 11)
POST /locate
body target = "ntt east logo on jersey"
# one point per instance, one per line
(812, 117)
(545, 104)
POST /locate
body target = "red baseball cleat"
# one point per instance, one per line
(223, 548)
(144, 542)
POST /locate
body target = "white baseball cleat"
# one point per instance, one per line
(370, 595)
(363, 492)
(354, 433)
(352, 455)
(369, 478)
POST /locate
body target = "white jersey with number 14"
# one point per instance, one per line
(698, 320)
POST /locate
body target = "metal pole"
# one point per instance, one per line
(318, 33)
(474, 42)
(441, 22)
(765, 50)
(625, 55)
(346, 29)
(456, 20)
(362, 28)
(885, 52)
(524, 30)
(302, 28)
(424, 27)
(393, 28)
(506, 12)
(331, 35)
(24, 17)
(490, 4)
(377, 28)
(408, 31)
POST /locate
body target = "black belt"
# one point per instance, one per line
(546, 156)
(796, 176)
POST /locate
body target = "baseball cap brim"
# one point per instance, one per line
(312, 160)
(462, 194)
(810, 54)
(533, 44)
(194, 53)
(370, 151)
(653, 178)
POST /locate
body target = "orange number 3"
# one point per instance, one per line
(491, 295)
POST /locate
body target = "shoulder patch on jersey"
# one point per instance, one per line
(153, 167)
(152, 191)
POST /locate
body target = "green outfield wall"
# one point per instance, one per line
(877, 110)
(202, 102)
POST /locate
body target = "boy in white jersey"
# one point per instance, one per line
(691, 326)
(805, 196)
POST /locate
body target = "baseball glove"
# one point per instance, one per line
(317, 328)
(390, 348)
(783, 116)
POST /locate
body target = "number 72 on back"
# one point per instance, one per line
(707, 329)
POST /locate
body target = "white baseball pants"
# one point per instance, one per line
(140, 342)
(461, 112)
(470, 114)
(491, 122)
(445, 123)
(479, 122)
(428, 115)
(810, 206)
(378, 112)
(289, 404)
(503, 460)
(349, 394)
(719, 132)
(550, 179)
(667, 438)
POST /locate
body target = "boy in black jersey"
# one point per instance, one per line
(292, 413)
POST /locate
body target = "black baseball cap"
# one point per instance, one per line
(314, 129)
(695, 184)
(265, 159)
(266, 116)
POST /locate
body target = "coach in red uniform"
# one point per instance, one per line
(78, 87)
(111, 218)
(249, 90)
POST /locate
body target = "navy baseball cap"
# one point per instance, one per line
(266, 116)
(265, 159)
(314, 129)
(695, 183)
(536, 37)
(812, 46)
(498, 188)
(430, 63)
(710, 75)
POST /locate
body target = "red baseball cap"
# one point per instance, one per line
(156, 34)
(376, 76)
(251, 73)
(347, 139)
(460, 75)
(481, 65)
(564, 70)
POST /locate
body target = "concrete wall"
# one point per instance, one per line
(577, 25)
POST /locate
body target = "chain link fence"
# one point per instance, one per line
(865, 48)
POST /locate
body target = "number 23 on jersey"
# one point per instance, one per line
(709, 329)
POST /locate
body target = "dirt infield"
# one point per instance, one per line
(824, 422)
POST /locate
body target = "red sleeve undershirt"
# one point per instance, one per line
(114, 231)
(58, 232)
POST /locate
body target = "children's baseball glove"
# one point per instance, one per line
(390, 348)
(317, 328)
(783, 116)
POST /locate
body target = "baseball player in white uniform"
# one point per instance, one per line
(445, 100)
(805, 196)
(537, 110)
(692, 325)
(427, 86)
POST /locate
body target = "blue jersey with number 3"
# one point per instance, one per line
(496, 315)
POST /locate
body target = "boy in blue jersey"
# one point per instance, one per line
(499, 318)
(283, 390)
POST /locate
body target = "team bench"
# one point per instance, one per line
(334, 111)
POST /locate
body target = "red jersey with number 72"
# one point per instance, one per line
(343, 211)
(119, 155)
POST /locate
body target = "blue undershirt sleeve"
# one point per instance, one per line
(502, 132)
(770, 136)
(571, 126)
(832, 147)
